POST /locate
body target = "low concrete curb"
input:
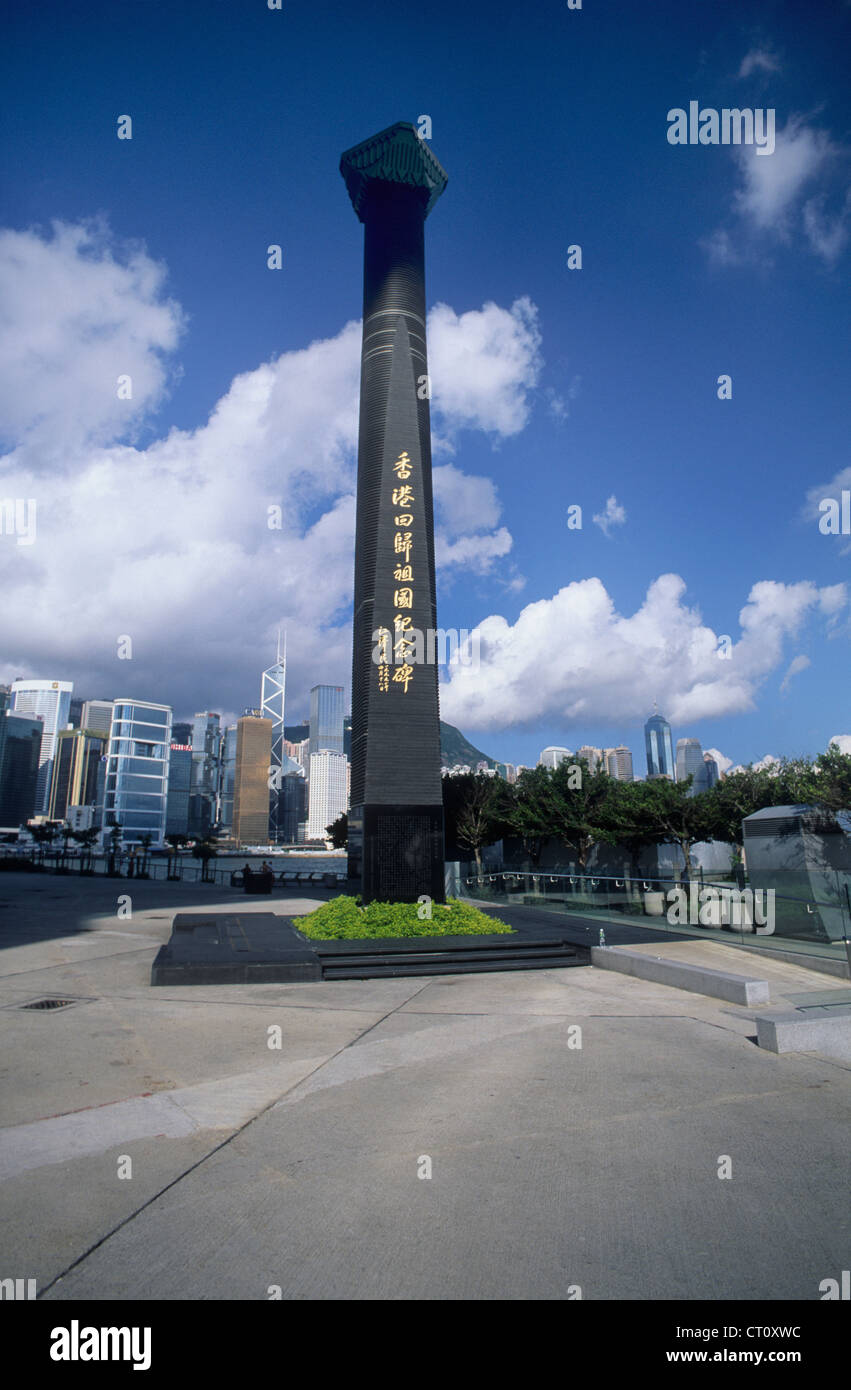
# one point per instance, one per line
(793, 1031)
(735, 989)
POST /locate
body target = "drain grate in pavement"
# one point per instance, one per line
(52, 1004)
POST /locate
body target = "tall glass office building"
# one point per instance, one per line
(552, 756)
(690, 763)
(205, 794)
(49, 701)
(326, 719)
(136, 791)
(20, 748)
(76, 763)
(228, 775)
(179, 788)
(326, 736)
(659, 748)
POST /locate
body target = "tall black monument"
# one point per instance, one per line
(396, 816)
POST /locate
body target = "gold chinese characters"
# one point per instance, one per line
(403, 498)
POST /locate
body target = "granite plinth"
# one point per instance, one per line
(260, 948)
(233, 949)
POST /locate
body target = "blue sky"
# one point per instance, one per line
(572, 387)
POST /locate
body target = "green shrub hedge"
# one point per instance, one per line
(343, 919)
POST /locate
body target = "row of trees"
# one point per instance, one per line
(578, 808)
(205, 848)
(47, 835)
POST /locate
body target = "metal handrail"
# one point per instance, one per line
(594, 880)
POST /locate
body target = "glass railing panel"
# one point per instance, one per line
(723, 910)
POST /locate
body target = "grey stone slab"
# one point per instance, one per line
(806, 1031)
(216, 948)
(718, 984)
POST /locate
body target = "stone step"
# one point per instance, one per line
(375, 964)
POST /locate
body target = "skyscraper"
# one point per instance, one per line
(326, 719)
(328, 798)
(204, 796)
(326, 736)
(619, 763)
(659, 748)
(136, 792)
(179, 787)
(228, 775)
(96, 716)
(76, 763)
(292, 805)
(593, 756)
(50, 701)
(551, 757)
(690, 763)
(251, 780)
(272, 696)
(20, 748)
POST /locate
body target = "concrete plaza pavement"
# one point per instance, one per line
(253, 1167)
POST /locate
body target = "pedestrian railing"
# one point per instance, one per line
(159, 869)
(725, 909)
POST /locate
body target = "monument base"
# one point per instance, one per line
(396, 852)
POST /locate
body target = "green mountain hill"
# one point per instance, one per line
(455, 748)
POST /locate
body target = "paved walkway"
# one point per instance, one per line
(552, 1164)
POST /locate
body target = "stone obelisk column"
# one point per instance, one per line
(396, 816)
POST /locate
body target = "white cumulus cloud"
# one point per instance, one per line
(201, 542)
(574, 655)
(73, 318)
(484, 365)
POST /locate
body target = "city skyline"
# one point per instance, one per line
(724, 763)
(214, 504)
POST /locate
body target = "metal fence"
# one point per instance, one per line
(157, 869)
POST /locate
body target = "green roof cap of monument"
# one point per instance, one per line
(394, 155)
